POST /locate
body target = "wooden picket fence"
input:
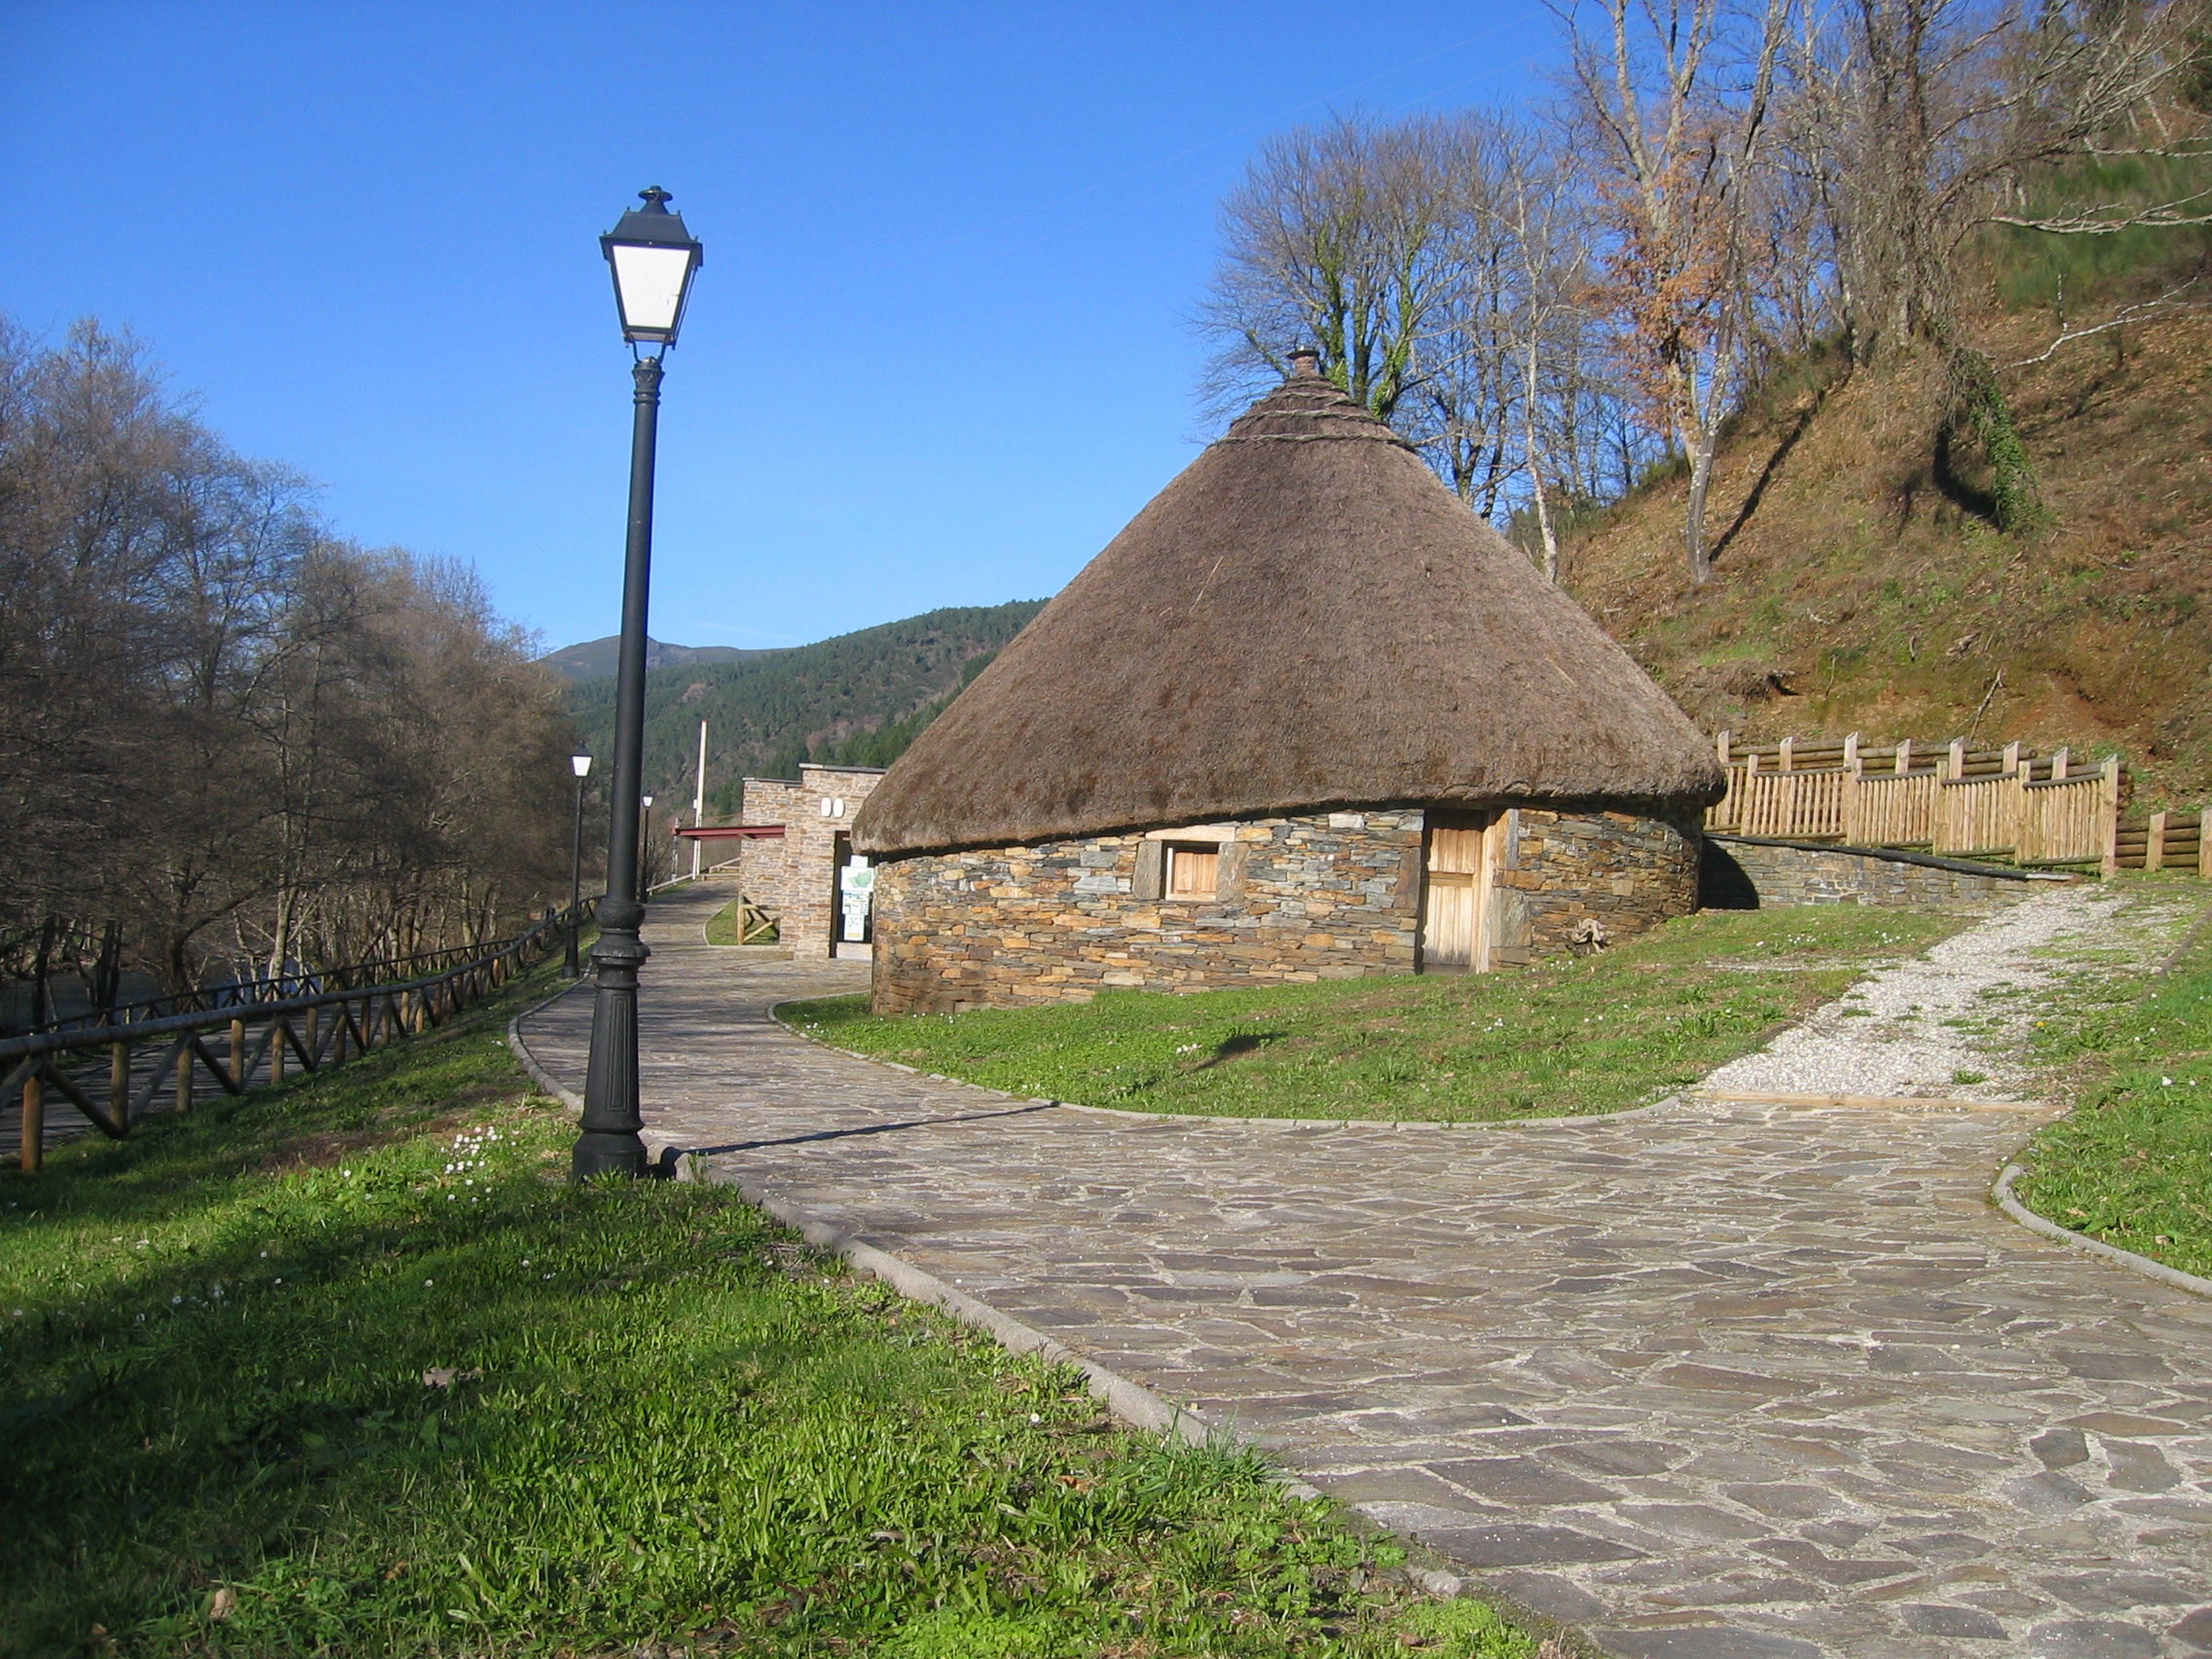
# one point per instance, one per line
(113, 1075)
(2007, 803)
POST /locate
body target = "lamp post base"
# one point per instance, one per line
(611, 1142)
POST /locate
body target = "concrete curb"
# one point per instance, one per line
(538, 1074)
(2002, 1196)
(1132, 1402)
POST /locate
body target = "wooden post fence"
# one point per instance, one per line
(113, 1074)
(1997, 804)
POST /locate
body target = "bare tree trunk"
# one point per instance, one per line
(1693, 518)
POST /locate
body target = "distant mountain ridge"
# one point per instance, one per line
(595, 659)
(857, 699)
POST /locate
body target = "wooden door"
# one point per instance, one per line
(1455, 894)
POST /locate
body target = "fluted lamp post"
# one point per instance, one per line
(653, 259)
(580, 764)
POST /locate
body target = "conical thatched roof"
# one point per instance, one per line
(1304, 619)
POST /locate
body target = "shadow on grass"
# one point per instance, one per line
(416, 1395)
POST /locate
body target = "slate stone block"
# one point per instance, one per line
(1705, 1642)
(1516, 1545)
(1937, 1619)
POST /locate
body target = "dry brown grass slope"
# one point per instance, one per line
(1860, 585)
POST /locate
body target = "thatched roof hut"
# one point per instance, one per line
(1304, 619)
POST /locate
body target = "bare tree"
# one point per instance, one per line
(1925, 122)
(1675, 106)
(218, 722)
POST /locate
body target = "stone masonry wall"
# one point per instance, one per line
(1329, 896)
(1559, 868)
(1750, 875)
(1332, 895)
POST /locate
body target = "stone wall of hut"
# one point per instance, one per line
(1322, 897)
(1559, 868)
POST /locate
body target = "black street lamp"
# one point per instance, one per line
(645, 852)
(580, 764)
(653, 259)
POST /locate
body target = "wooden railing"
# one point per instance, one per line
(1997, 804)
(2165, 840)
(115, 1074)
(254, 992)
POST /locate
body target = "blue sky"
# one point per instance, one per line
(940, 351)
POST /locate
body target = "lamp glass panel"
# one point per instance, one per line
(581, 764)
(650, 283)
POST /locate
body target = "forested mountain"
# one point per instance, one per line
(596, 658)
(857, 699)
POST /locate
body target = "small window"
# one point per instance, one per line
(1192, 871)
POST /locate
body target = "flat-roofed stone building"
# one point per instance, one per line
(799, 877)
(1305, 717)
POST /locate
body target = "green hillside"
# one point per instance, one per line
(857, 699)
(1858, 588)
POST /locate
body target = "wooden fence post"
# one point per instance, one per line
(276, 1030)
(1851, 751)
(184, 1076)
(1958, 759)
(2059, 757)
(1786, 763)
(2108, 810)
(2154, 843)
(32, 1153)
(1721, 747)
(2204, 843)
(119, 1082)
(1904, 756)
(238, 1056)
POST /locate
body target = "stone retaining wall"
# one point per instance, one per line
(1329, 896)
(1742, 874)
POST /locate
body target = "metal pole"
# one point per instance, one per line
(575, 881)
(609, 1141)
(699, 800)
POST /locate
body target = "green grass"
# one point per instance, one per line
(2131, 1163)
(349, 1369)
(1612, 1031)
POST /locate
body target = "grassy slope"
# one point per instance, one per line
(1884, 605)
(2132, 1162)
(349, 1369)
(1593, 1036)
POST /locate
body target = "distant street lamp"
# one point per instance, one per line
(653, 259)
(645, 852)
(580, 764)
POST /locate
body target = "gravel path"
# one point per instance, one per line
(1930, 1026)
(1724, 1379)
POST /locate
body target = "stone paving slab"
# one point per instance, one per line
(1725, 1377)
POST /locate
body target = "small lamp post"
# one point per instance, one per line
(653, 259)
(645, 852)
(580, 764)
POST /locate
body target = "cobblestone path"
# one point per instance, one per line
(1715, 1380)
